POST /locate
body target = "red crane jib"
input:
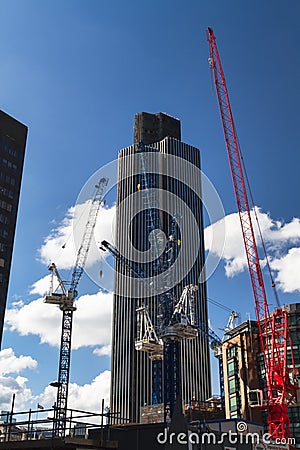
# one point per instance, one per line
(273, 329)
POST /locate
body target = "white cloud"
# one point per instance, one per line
(233, 252)
(41, 286)
(63, 242)
(279, 237)
(280, 231)
(52, 248)
(87, 397)
(35, 318)
(103, 351)
(91, 321)
(287, 268)
(10, 363)
(10, 386)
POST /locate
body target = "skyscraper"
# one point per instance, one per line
(13, 136)
(174, 190)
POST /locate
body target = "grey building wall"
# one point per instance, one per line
(131, 370)
(13, 136)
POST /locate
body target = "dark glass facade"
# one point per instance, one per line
(13, 136)
(131, 386)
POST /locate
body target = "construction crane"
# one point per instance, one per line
(162, 343)
(273, 329)
(164, 321)
(231, 324)
(147, 339)
(64, 295)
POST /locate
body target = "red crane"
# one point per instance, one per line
(273, 329)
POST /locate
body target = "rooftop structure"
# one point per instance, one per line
(150, 128)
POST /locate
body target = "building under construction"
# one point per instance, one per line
(244, 373)
(160, 345)
(132, 371)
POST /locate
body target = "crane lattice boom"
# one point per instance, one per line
(88, 233)
(273, 330)
(65, 300)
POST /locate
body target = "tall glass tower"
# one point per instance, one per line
(174, 192)
(13, 136)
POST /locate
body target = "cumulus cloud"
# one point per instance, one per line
(63, 242)
(281, 239)
(41, 286)
(12, 364)
(287, 268)
(35, 318)
(10, 386)
(91, 323)
(103, 351)
(87, 397)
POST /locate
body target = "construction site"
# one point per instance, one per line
(161, 382)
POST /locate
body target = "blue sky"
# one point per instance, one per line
(76, 73)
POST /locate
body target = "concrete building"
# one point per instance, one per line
(13, 136)
(132, 371)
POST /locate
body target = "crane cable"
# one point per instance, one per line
(219, 305)
(257, 221)
(74, 223)
(253, 205)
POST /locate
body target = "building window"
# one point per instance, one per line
(3, 233)
(232, 352)
(233, 403)
(231, 368)
(295, 337)
(233, 385)
(4, 219)
(2, 262)
(8, 164)
(8, 145)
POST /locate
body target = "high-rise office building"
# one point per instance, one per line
(13, 136)
(131, 383)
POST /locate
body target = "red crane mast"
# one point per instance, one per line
(272, 329)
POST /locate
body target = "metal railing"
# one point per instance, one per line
(42, 424)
